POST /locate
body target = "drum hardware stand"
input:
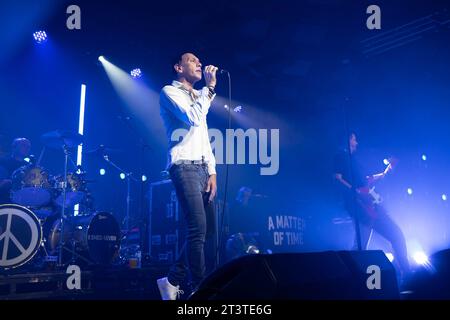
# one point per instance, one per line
(76, 255)
(63, 211)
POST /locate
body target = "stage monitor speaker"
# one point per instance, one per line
(335, 275)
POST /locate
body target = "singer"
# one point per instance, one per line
(192, 167)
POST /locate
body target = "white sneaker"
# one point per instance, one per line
(167, 290)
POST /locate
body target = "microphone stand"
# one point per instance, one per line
(143, 219)
(352, 179)
(129, 177)
(222, 218)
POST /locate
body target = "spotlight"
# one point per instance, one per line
(122, 176)
(410, 191)
(40, 36)
(136, 73)
(101, 59)
(144, 178)
(424, 157)
(420, 257)
(102, 172)
(237, 109)
(386, 162)
(27, 160)
(444, 197)
(390, 256)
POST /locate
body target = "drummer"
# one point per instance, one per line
(20, 149)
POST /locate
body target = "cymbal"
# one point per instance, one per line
(59, 138)
(102, 150)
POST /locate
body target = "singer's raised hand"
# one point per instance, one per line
(210, 76)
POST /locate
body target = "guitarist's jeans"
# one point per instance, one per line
(383, 224)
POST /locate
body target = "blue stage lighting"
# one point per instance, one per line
(386, 162)
(136, 73)
(420, 258)
(101, 59)
(144, 178)
(424, 157)
(390, 256)
(444, 197)
(40, 36)
(122, 176)
(410, 191)
(237, 109)
(102, 172)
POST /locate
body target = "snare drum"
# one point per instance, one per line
(31, 186)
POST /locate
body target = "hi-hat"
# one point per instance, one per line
(61, 138)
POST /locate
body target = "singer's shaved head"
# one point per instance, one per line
(189, 67)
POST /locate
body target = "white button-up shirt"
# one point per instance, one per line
(181, 109)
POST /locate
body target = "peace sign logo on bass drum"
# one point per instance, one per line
(20, 235)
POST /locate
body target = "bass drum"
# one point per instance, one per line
(94, 239)
(20, 235)
(31, 186)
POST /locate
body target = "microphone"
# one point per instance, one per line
(219, 71)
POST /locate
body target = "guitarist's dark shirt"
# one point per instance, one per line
(343, 165)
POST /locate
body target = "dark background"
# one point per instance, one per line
(300, 66)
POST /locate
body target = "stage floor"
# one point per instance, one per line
(112, 283)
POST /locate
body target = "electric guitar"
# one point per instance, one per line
(367, 196)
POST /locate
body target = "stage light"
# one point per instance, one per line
(27, 160)
(102, 172)
(81, 123)
(390, 256)
(144, 178)
(122, 176)
(40, 36)
(101, 59)
(237, 109)
(81, 132)
(136, 73)
(424, 157)
(410, 191)
(420, 258)
(444, 197)
(386, 162)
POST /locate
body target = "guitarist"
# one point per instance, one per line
(358, 202)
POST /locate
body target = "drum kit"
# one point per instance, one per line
(41, 226)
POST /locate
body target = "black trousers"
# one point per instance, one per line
(190, 181)
(380, 222)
